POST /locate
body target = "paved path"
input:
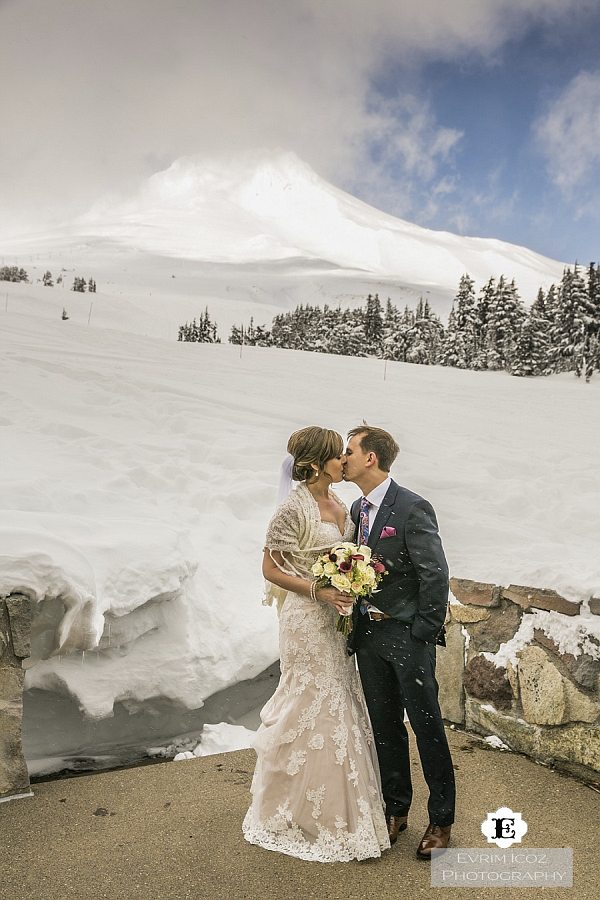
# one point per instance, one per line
(172, 831)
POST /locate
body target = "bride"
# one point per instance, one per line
(316, 791)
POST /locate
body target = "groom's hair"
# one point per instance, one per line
(377, 441)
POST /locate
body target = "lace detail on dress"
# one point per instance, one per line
(334, 844)
(316, 793)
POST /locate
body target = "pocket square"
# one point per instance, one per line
(387, 532)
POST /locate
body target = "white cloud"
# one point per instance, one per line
(404, 147)
(568, 135)
(96, 96)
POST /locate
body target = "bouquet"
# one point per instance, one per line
(351, 569)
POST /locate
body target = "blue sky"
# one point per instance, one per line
(501, 177)
(480, 117)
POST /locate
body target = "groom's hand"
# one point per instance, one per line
(341, 602)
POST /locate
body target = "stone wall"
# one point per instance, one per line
(537, 699)
(15, 636)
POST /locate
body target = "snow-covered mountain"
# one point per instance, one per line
(273, 214)
(261, 208)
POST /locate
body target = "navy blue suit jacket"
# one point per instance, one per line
(415, 590)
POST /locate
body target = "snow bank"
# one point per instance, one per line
(221, 738)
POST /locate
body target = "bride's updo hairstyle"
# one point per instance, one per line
(313, 446)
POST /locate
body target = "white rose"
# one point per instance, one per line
(341, 582)
(317, 568)
(330, 568)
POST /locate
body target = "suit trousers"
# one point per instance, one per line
(398, 673)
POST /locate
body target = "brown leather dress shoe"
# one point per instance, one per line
(396, 824)
(436, 837)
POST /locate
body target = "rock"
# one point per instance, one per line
(449, 673)
(513, 679)
(11, 686)
(488, 682)
(467, 614)
(518, 735)
(6, 653)
(583, 668)
(542, 688)
(573, 747)
(477, 593)
(579, 744)
(547, 697)
(595, 605)
(529, 597)
(20, 614)
(14, 778)
(542, 638)
(3, 644)
(580, 707)
(500, 627)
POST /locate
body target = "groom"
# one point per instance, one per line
(395, 635)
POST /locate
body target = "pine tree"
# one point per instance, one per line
(552, 313)
(425, 337)
(530, 356)
(593, 329)
(78, 284)
(237, 335)
(466, 319)
(374, 326)
(540, 325)
(404, 335)
(13, 273)
(453, 348)
(505, 315)
(460, 340)
(482, 312)
(575, 326)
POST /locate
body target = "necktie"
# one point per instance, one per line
(363, 529)
(363, 532)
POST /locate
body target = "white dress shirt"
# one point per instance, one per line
(375, 498)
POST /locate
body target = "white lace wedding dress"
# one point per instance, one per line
(316, 792)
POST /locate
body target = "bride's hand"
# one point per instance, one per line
(341, 602)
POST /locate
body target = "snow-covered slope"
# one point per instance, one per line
(139, 474)
(271, 213)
